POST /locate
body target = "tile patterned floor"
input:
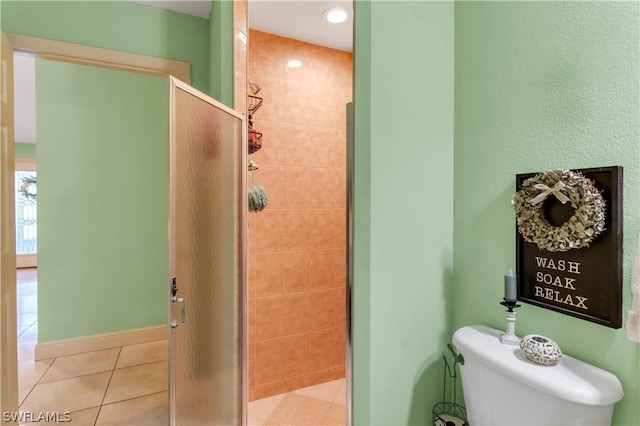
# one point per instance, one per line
(127, 386)
(323, 404)
(108, 387)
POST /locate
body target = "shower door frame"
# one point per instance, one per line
(241, 243)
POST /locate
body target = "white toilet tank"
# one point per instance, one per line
(501, 387)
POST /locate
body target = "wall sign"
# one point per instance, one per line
(569, 259)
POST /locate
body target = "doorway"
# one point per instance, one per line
(297, 244)
(127, 384)
(38, 369)
(103, 256)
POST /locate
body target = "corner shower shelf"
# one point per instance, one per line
(255, 140)
(255, 102)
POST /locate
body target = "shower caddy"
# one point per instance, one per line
(254, 138)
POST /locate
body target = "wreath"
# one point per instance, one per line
(28, 188)
(580, 230)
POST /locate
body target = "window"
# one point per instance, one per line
(26, 213)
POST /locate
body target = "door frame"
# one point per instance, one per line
(8, 316)
(83, 55)
(61, 51)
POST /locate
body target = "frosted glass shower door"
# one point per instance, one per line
(208, 214)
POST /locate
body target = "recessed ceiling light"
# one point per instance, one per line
(335, 15)
(294, 63)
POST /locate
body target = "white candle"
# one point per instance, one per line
(510, 286)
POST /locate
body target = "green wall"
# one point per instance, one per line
(542, 85)
(25, 150)
(118, 25)
(221, 63)
(102, 200)
(360, 262)
(404, 69)
(134, 28)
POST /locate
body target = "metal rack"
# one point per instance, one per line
(254, 138)
(255, 102)
(447, 412)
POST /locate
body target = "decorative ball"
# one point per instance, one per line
(258, 198)
(540, 350)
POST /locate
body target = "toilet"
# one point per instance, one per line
(501, 387)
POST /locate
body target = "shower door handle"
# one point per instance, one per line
(180, 300)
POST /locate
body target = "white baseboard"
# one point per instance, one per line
(98, 342)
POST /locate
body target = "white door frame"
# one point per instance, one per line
(76, 54)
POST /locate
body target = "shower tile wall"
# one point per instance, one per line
(240, 55)
(297, 263)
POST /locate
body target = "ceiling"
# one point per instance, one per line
(297, 19)
(302, 20)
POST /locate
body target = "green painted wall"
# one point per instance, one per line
(404, 69)
(221, 51)
(118, 25)
(102, 200)
(25, 150)
(360, 263)
(542, 85)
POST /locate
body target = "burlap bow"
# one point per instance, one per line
(546, 191)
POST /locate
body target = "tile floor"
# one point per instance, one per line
(322, 404)
(127, 386)
(122, 386)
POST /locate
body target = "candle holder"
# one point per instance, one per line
(510, 338)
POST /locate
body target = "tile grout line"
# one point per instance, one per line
(130, 399)
(37, 381)
(107, 388)
(71, 377)
(25, 330)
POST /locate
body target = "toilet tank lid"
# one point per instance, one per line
(570, 379)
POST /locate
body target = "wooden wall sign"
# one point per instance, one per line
(582, 282)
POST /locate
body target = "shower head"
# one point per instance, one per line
(254, 87)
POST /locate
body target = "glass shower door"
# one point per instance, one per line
(208, 214)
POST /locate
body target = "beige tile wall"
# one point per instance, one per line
(240, 55)
(297, 263)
